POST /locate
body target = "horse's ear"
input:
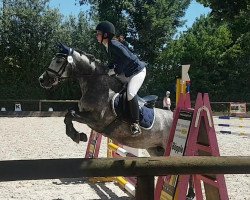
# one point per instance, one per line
(64, 49)
(59, 45)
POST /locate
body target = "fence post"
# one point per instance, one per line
(144, 188)
(40, 105)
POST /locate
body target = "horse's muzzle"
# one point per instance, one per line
(43, 83)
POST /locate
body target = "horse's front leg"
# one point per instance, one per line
(70, 130)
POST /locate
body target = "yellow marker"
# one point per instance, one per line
(178, 90)
(112, 146)
(126, 185)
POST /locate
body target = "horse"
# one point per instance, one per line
(98, 90)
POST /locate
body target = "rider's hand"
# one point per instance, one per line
(111, 72)
(64, 49)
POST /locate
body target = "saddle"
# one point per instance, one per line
(120, 108)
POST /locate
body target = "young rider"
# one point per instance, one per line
(126, 65)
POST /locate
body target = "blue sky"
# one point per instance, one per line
(68, 7)
(72, 7)
(194, 11)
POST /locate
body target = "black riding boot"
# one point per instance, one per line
(134, 114)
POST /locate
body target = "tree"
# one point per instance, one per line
(77, 33)
(28, 30)
(29, 33)
(236, 15)
(203, 47)
(147, 25)
(218, 49)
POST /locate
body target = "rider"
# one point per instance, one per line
(127, 67)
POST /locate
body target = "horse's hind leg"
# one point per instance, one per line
(71, 131)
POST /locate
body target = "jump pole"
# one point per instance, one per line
(123, 182)
(13, 170)
(144, 168)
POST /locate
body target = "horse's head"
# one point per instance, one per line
(59, 69)
(70, 63)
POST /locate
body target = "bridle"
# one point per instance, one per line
(58, 74)
(67, 60)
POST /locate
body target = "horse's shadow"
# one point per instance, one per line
(73, 181)
(100, 188)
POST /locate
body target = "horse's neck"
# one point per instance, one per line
(114, 84)
(93, 73)
(100, 84)
(86, 65)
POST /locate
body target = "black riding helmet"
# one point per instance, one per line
(106, 27)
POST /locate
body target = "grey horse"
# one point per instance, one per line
(94, 108)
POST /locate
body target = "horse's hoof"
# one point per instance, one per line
(76, 138)
(83, 137)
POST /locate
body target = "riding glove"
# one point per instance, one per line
(114, 69)
(111, 72)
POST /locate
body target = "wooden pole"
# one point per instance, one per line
(12, 170)
(145, 188)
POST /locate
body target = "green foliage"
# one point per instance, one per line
(201, 47)
(217, 46)
(218, 65)
(147, 25)
(235, 13)
(236, 57)
(27, 36)
(29, 32)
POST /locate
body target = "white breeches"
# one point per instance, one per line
(134, 83)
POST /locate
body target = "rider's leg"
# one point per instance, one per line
(134, 85)
(134, 115)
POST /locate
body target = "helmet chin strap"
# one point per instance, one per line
(104, 36)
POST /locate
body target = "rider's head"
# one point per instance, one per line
(167, 93)
(105, 31)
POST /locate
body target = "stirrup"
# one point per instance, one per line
(135, 129)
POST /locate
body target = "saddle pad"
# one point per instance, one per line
(146, 115)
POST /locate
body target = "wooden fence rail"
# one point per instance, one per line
(144, 168)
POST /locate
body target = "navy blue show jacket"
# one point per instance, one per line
(123, 60)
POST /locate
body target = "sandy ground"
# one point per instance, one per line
(36, 138)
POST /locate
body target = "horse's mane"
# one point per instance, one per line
(100, 64)
(91, 57)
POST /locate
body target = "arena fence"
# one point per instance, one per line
(38, 105)
(143, 168)
(36, 108)
(60, 105)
